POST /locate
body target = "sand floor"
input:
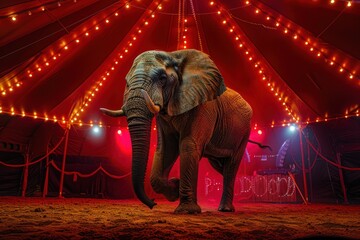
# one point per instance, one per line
(77, 218)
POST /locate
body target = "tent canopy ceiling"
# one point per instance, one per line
(66, 59)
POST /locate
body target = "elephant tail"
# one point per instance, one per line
(260, 145)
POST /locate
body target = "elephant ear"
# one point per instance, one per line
(199, 81)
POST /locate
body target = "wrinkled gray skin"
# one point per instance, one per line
(196, 116)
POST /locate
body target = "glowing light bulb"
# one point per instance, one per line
(96, 129)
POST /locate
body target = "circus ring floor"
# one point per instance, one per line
(82, 218)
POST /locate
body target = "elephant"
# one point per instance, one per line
(196, 116)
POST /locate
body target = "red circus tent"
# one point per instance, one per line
(296, 63)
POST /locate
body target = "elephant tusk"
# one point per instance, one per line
(113, 113)
(149, 103)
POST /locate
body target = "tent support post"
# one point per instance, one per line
(46, 184)
(26, 173)
(63, 163)
(297, 187)
(310, 172)
(303, 166)
(341, 176)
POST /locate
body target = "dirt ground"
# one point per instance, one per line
(54, 218)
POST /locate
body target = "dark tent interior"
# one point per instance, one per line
(295, 62)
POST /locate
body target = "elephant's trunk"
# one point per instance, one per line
(139, 123)
(140, 138)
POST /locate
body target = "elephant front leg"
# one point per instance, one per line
(165, 156)
(159, 177)
(189, 164)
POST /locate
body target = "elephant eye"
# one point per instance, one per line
(163, 78)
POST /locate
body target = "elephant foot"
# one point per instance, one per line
(172, 192)
(226, 207)
(188, 208)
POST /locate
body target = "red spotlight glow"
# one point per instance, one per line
(260, 132)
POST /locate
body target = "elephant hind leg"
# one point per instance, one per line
(230, 169)
(218, 163)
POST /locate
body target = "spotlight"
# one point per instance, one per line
(260, 132)
(119, 132)
(96, 129)
(292, 128)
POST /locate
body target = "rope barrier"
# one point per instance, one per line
(328, 160)
(37, 161)
(89, 174)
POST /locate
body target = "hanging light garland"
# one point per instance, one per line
(310, 42)
(51, 56)
(182, 26)
(133, 37)
(40, 8)
(229, 23)
(75, 117)
(254, 60)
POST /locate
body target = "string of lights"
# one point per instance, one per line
(338, 61)
(51, 56)
(137, 30)
(254, 61)
(229, 23)
(37, 8)
(133, 36)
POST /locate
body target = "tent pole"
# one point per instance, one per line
(26, 173)
(310, 172)
(63, 162)
(297, 187)
(341, 176)
(303, 165)
(46, 184)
